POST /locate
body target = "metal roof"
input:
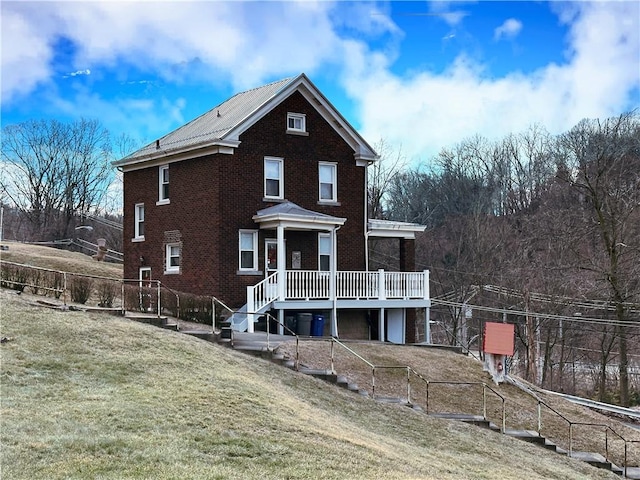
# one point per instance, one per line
(292, 215)
(218, 130)
(214, 124)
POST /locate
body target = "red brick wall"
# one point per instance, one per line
(212, 197)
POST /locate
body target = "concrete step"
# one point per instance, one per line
(595, 459)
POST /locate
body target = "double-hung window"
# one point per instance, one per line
(163, 184)
(324, 252)
(172, 258)
(248, 250)
(273, 178)
(296, 123)
(327, 175)
(138, 233)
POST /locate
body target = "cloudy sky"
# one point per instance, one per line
(421, 75)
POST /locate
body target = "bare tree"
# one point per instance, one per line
(602, 165)
(381, 175)
(54, 171)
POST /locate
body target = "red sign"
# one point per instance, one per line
(498, 338)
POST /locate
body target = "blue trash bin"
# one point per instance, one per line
(317, 326)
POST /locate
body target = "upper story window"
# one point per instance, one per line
(172, 258)
(163, 184)
(296, 123)
(248, 248)
(327, 174)
(139, 222)
(273, 178)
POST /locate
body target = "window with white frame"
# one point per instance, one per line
(273, 177)
(296, 122)
(324, 252)
(139, 222)
(248, 250)
(172, 258)
(163, 184)
(327, 176)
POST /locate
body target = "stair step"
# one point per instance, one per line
(385, 399)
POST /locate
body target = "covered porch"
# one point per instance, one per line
(329, 289)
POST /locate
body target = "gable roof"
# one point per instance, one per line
(293, 216)
(219, 129)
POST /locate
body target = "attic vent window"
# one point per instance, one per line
(157, 144)
(296, 123)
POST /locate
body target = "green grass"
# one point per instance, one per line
(86, 395)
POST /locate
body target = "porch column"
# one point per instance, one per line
(381, 335)
(332, 282)
(282, 263)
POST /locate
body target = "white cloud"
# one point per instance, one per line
(426, 111)
(509, 29)
(78, 72)
(25, 52)
(245, 43)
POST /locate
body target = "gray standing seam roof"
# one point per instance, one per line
(216, 123)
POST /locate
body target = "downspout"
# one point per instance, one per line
(366, 218)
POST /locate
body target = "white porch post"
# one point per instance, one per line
(281, 320)
(381, 335)
(427, 325)
(426, 285)
(250, 309)
(332, 283)
(282, 263)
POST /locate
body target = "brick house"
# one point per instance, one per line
(261, 202)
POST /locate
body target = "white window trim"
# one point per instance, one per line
(280, 162)
(161, 200)
(303, 122)
(254, 234)
(334, 168)
(324, 235)
(168, 268)
(136, 225)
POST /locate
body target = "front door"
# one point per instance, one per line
(145, 289)
(271, 256)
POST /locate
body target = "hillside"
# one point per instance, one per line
(57, 259)
(86, 395)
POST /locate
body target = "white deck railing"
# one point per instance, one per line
(349, 285)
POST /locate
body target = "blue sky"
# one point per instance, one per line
(420, 75)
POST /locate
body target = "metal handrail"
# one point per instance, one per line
(485, 387)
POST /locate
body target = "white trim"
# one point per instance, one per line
(137, 209)
(392, 229)
(280, 162)
(162, 199)
(168, 268)
(333, 183)
(254, 250)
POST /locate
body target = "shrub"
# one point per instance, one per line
(107, 292)
(81, 289)
(14, 277)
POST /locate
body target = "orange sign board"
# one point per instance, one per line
(499, 338)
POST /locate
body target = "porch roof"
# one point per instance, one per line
(292, 216)
(392, 229)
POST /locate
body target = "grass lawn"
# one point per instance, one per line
(88, 395)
